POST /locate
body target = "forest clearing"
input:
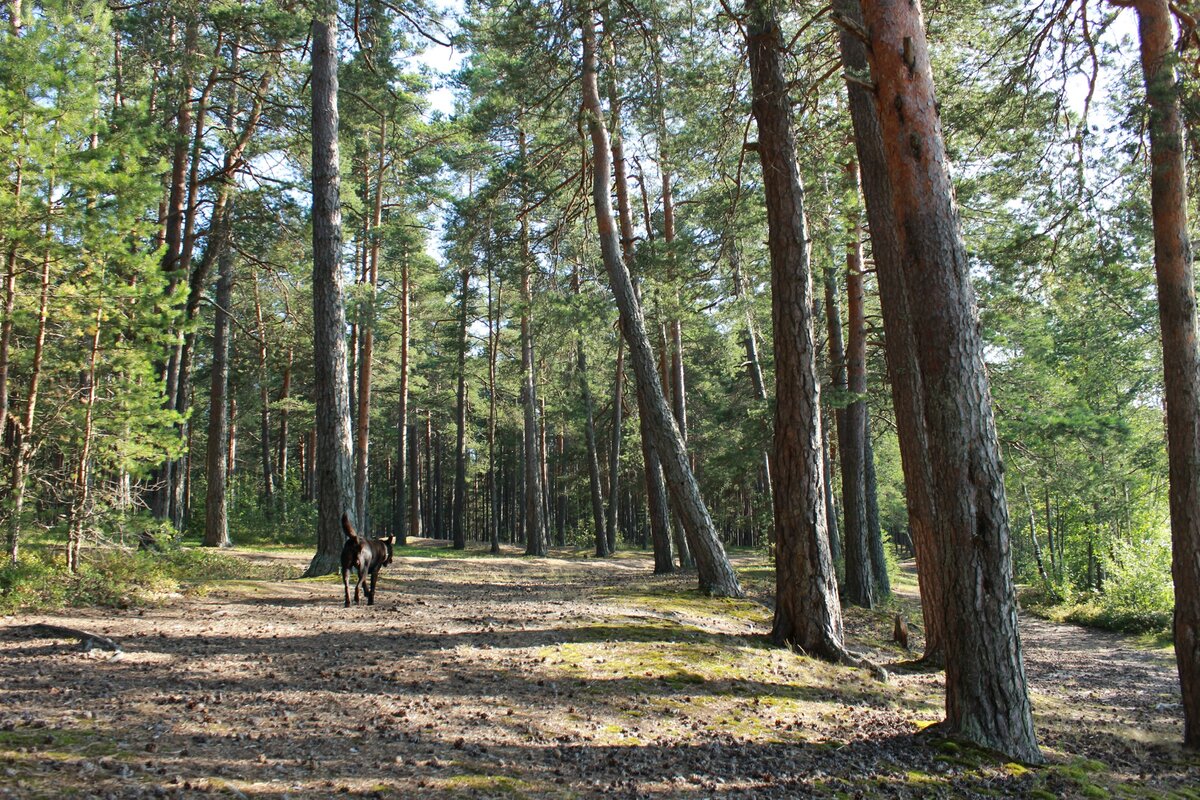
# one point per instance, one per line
(510, 677)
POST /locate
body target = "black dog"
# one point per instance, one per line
(366, 556)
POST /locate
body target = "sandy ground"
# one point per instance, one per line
(510, 677)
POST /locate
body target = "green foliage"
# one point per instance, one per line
(117, 577)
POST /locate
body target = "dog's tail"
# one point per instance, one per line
(348, 527)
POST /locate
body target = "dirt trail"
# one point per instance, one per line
(511, 677)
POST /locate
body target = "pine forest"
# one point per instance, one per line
(727, 399)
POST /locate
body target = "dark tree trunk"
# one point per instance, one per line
(1181, 356)
(493, 349)
(614, 452)
(416, 518)
(264, 399)
(404, 521)
(987, 701)
(883, 584)
(715, 573)
(903, 370)
(216, 512)
(335, 473)
(593, 464)
(458, 522)
(535, 530)
(284, 394)
(858, 581)
(807, 613)
(831, 513)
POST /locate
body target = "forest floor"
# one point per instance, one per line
(565, 677)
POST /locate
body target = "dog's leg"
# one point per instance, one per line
(371, 593)
(346, 584)
(362, 579)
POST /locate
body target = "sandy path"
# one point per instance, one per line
(521, 678)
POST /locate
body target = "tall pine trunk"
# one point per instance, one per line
(457, 523)
(23, 444)
(858, 583)
(715, 573)
(987, 700)
(901, 348)
(535, 529)
(807, 614)
(216, 513)
(1181, 356)
(335, 475)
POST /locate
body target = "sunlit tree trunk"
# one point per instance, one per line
(1181, 356)
(715, 573)
(335, 475)
(807, 613)
(23, 443)
(987, 701)
(903, 371)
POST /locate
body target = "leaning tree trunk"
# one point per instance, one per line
(807, 613)
(1181, 357)
(901, 348)
(335, 474)
(987, 701)
(715, 573)
(216, 513)
(657, 508)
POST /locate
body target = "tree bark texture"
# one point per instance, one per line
(614, 453)
(987, 701)
(216, 511)
(807, 613)
(1181, 356)
(858, 582)
(901, 348)
(335, 474)
(457, 522)
(715, 573)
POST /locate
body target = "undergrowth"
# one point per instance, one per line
(117, 577)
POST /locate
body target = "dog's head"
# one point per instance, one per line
(388, 542)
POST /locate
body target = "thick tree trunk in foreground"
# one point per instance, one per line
(807, 613)
(1181, 357)
(987, 701)
(903, 370)
(216, 512)
(715, 573)
(335, 474)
